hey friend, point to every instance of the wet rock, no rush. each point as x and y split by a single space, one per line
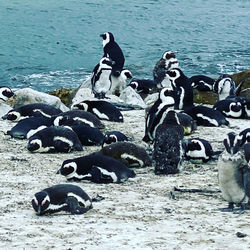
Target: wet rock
238 77
205 97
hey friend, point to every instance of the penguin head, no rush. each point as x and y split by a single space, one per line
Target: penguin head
235 106
58 120
126 74
172 75
106 62
34 144
170 60
5 93
68 168
110 138
231 143
167 96
82 105
194 144
171 118
41 202
133 85
107 38
12 115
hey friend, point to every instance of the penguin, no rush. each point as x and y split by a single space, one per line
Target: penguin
175 79
246 169
5 93
229 108
96 168
114 136
232 175
202 83
205 116
143 86
61 197
113 51
87 135
34 109
120 82
167 61
157 113
128 153
243 137
188 123
54 139
200 149
27 127
224 86
102 109
101 78
167 152
246 109
73 117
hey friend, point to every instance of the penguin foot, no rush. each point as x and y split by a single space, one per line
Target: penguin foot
230 208
240 210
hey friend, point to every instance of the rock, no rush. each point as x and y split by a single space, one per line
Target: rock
65 95
245 93
4 109
129 96
238 77
28 95
205 97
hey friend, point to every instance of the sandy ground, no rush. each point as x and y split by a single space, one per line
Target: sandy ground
138 214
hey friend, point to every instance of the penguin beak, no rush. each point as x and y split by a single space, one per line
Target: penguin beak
39 210
102 35
58 172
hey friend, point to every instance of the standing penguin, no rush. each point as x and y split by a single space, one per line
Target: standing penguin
61 197
167 62
113 51
233 179
101 78
167 152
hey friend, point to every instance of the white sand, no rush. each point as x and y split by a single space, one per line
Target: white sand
138 214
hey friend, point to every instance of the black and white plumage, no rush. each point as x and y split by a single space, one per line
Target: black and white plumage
230 108
73 117
61 197
202 82
128 153
54 139
102 109
34 109
158 112
97 168
176 79
167 61
101 78
87 135
119 83
200 149
243 137
114 136
113 51
142 86
168 150
224 86
29 126
187 122
5 93
233 172
206 116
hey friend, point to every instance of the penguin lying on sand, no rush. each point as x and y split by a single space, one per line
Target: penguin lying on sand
199 149
229 108
34 109
54 139
102 109
202 83
114 136
61 197
97 168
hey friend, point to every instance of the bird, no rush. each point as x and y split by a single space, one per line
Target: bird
101 78
113 51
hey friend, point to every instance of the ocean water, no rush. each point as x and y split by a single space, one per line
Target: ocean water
51 44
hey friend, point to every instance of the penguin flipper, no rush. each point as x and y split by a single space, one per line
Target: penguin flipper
74 207
239 86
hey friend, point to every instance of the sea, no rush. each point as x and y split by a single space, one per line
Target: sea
51 44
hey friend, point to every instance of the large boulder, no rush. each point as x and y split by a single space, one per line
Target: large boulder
28 95
64 94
